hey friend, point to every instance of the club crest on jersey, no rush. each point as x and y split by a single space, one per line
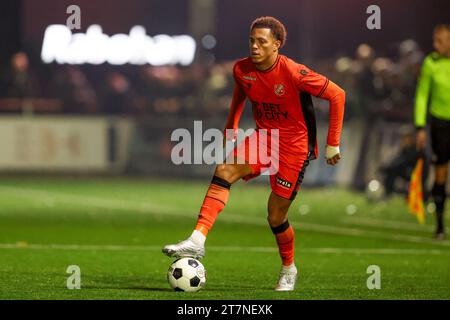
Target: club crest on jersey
279 89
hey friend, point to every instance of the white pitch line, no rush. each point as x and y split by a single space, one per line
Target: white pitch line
388 224
87 247
52 197
158 210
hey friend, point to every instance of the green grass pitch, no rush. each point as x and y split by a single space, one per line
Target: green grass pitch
114 229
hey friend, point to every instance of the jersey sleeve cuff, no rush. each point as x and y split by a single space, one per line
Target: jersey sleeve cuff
331 151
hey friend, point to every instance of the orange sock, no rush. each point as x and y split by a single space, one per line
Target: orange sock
215 200
284 235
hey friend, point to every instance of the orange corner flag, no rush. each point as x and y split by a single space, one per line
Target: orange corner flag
415 194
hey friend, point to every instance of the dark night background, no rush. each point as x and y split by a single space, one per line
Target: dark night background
320 28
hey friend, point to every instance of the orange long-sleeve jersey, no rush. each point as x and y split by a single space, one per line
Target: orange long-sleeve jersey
281 99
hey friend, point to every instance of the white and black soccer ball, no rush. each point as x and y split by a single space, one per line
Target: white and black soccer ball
186 274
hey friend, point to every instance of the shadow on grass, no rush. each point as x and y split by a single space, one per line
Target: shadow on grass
139 287
135 283
129 287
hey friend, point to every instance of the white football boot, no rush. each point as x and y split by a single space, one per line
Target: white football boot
192 247
288 278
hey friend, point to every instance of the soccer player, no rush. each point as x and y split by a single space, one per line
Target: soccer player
434 89
280 93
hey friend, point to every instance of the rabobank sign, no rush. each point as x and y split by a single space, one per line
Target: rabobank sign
62 46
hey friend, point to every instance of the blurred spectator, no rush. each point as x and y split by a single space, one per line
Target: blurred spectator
118 97
402 165
366 86
217 89
376 86
71 85
162 87
19 81
345 75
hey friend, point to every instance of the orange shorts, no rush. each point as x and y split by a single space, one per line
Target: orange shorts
285 179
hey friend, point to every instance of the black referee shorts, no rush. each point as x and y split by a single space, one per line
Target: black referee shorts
440 140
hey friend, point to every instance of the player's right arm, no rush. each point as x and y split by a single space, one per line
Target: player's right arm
236 108
421 103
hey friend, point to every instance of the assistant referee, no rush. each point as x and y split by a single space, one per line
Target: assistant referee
433 90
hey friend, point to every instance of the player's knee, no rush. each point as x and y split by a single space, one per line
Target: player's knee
276 219
226 172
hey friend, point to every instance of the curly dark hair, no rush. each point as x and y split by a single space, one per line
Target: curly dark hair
278 30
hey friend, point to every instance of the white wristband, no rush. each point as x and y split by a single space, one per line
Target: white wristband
331 151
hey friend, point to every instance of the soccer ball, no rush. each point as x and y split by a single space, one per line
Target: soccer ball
186 274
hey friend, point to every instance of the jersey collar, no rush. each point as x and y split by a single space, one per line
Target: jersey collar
272 67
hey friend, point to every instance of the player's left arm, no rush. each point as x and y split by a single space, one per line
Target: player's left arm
336 97
321 87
